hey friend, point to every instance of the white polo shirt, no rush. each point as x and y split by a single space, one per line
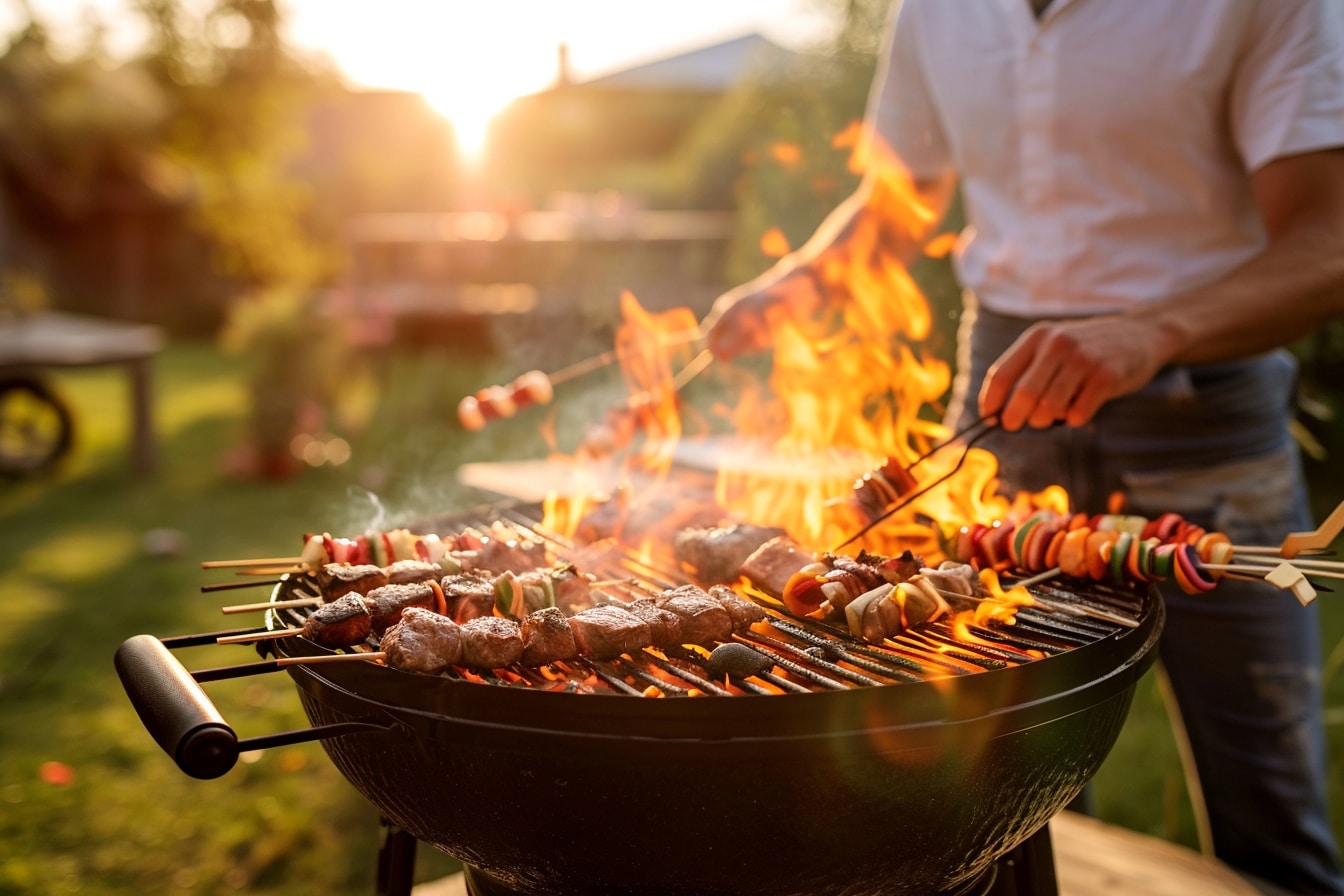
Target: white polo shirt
1103 150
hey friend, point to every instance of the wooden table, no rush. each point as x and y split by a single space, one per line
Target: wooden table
56 339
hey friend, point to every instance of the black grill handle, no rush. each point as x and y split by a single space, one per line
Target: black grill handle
174 709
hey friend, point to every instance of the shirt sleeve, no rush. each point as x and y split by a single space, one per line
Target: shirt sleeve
1288 95
901 111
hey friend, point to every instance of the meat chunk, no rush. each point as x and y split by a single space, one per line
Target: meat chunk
573 589
500 550
703 619
714 555
387 603
606 632
547 638
742 611
339 579
664 625
404 572
772 564
491 642
467 597
342 623
423 641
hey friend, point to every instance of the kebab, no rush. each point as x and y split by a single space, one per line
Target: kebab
424 640
1116 547
499 548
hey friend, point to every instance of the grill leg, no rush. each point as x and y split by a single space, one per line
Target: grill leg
1029 870
396 861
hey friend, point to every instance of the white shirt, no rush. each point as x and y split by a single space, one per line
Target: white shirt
1104 149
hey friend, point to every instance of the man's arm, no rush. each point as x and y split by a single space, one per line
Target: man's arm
1065 371
740 321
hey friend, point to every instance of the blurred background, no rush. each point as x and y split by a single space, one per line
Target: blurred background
252 253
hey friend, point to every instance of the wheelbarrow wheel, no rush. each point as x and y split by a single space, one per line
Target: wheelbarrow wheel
35 427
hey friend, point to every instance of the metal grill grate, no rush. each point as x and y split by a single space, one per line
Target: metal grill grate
790 654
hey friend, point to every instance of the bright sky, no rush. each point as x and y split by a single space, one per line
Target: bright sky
470 57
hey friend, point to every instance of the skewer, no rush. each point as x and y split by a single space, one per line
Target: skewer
538 387
365 657
274 605
1038 578
1261 570
1321 537
230 586
261 561
252 637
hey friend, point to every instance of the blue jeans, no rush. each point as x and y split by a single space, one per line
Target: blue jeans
1211 443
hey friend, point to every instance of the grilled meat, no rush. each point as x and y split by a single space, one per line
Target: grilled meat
467 596
770 566
605 632
423 641
338 579
664 625
404 572
703 619
547 638
491 642
742 611
499 550
714 555
387 603
341 623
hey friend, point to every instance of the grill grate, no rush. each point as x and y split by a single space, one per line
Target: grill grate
800 655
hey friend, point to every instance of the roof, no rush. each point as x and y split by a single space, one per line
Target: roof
713 68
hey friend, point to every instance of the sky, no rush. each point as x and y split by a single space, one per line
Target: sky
470 57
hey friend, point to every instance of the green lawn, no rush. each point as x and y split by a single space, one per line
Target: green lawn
76 580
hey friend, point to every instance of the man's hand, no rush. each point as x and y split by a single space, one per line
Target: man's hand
743 319
1064 371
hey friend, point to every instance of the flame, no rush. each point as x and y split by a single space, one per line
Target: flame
774 244
850 388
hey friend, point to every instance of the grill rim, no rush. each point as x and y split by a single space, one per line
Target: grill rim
1016 696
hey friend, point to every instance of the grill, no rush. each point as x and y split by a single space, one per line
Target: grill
917 767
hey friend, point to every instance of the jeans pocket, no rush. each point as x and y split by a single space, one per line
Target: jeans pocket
1252 500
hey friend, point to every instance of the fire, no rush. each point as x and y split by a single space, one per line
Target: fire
850 388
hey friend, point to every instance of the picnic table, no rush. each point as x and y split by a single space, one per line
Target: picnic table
53 339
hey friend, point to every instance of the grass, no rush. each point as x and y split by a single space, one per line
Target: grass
91 805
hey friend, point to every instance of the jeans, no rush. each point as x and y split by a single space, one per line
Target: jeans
1211 443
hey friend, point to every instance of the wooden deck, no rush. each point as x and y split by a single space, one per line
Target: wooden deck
1092 858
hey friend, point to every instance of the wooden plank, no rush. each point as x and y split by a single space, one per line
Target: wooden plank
1094 858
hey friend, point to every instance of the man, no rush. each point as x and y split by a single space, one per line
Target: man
1154 195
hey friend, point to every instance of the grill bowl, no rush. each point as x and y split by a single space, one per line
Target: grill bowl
892 789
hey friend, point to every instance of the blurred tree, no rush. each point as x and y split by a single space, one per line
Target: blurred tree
120 180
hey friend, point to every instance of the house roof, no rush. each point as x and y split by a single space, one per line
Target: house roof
713 68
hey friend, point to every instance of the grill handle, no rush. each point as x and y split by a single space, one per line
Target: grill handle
182 718
174 709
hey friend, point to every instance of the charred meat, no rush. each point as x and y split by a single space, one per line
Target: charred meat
491 642
338 579
714 555
342 622
547 638
423 641
605 632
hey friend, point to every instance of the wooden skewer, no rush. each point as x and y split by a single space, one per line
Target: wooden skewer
1323 535
260 561
269 570
259 636
1038 578
365 657
274 605
232 586
1253 569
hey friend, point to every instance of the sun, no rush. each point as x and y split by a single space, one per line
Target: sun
468 62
